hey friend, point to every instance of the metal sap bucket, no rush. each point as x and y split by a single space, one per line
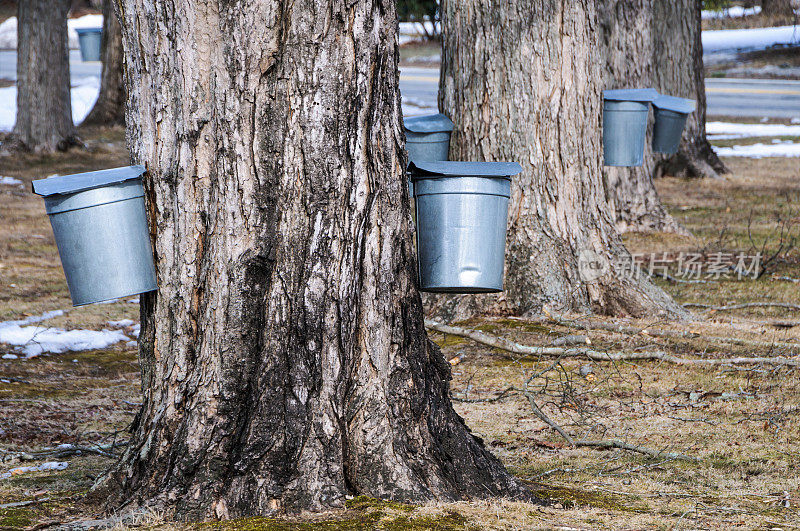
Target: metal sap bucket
100 228
462 211
90 40
625 114
671 114
428 137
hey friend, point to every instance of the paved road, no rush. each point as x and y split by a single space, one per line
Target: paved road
753 98
77 68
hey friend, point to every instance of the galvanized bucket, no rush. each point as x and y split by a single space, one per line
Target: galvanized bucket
90 40
461 212
625 114
100 228
428 137
671 114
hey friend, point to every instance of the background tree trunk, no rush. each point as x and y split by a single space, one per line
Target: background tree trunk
678 71
777 8
521 80
109 109
44 111
628 50
284 358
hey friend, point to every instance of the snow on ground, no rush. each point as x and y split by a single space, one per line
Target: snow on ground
760 151
10 181
121 324
34 340
8 30
727 131
50 465
731 12
749 39
83 98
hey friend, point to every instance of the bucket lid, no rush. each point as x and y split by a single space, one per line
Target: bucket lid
672 103
88 30
79 182
648 94
420 169
433 123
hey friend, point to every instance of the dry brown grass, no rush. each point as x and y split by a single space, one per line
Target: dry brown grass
741 423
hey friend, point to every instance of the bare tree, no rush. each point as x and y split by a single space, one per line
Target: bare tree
522 82
777 8
285 364
109 109
678 70
44 112
628 52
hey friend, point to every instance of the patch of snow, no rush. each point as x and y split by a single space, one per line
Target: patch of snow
8 33
135 330
775 71
727 130
131 344
10 181
121 323
731 12
34 340
83 98
760 151
134 301
10 356
749 39
796 120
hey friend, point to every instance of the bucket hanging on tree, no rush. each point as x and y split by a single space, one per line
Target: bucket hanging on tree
671 114
461 212
625 114
100 228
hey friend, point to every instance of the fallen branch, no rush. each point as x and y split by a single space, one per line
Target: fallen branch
65 450
525 350
711 307
593 324
600 444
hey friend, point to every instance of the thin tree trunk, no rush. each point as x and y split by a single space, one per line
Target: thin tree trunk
109 109
44 112
521 80
679 71
777 8
628 52
284 359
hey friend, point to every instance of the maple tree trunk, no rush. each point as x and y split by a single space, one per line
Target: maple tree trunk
284 358
521 80
109 109
44 112
678 71
628 53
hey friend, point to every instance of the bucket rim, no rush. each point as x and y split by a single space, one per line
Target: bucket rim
81 182
429 123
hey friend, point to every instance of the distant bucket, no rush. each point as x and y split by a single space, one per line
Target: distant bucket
100 228
428 137
462 212
625 114
671 114
90 40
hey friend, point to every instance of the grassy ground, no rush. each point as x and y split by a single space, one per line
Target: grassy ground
739 424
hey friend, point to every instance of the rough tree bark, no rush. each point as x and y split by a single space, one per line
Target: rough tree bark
284 358
678 70
44 110
628 52
521 80
109 109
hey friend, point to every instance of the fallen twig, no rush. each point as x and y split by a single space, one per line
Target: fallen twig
600 444
65 450
710 307
525 350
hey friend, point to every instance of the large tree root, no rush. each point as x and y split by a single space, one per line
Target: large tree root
525 350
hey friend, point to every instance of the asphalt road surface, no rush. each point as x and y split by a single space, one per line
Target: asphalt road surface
746 98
